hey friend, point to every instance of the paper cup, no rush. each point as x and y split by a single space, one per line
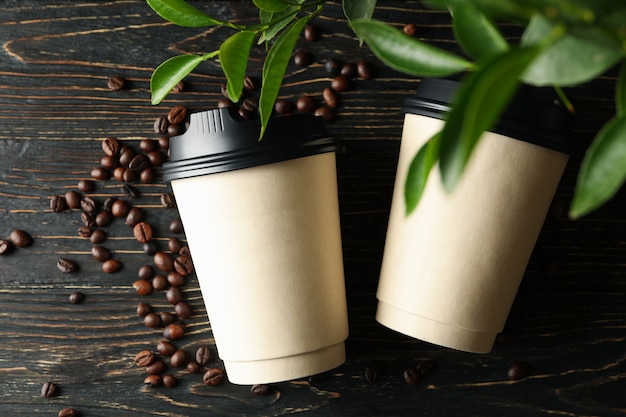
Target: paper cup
262 223
451 269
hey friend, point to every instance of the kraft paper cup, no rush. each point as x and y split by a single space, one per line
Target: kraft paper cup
451 269
262 223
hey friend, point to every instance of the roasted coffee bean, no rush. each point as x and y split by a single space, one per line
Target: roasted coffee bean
139 163
86 186
179 87
98 236
100 253
88 219
129 175
111 146
167 318
330 97
108 203
108 162
143 287
223 103
193 367
175 279
68 412
411 376
156 158
134 216
159 283
203 355
103 218
302 58
66 265
245 114
148 145
167 200
283 106
325 113
49 389
371 373
164 143
183 265
518 370
183 310
144 358
214 376
146 176
115 83
84 231
150 248
88 204
311 34
169 380
174 331
224 90
176 226
152 320
99 173
57 204
118 173
305 104
143 309
72 199
174 245
348 70
174 295
145 272
410 29
165 348
340 83
250 104
363 69
332 66
250 83
177 114
178 359
77 297
120 208
112 266
260 389
164 261
142 232
184 251
157 367
161 124
5 247
153 381
424 368
20 238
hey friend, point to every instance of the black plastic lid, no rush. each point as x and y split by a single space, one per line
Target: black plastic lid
219 140
528 118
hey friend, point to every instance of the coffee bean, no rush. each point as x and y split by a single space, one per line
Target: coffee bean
84 231
302 58
21 238
100 253
139 163
111 146
250 83
348 70
156 158
144 358
88 204
118 173
245 114
66 265
214 376
178 359
68 412
169 380
174 245
174 330
108 162
115 83
325 113
260 389
176 226
145 272
86 186
177 114
159 283
98 236
518 370
157 367
112 266
77 297
305 104
411 376
164 261
283 106
183 310
99 173
120 208
146 176
108 203
150 248
371 373
103 218
129 175
142 232
49 389
143 287
72 199
203 355
152 381
424 368
5 247
165 348
311 33
88 219
134 216
193 367
58 204
250 104
340 83
143 309
148 145
184 251
183 265
168 200
167 318
161 124
332 66
363 69
152 320
179 87
164 143
330 97
175 279
223 103
127 155
174 295
410 29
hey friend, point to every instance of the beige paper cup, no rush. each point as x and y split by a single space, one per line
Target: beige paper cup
266 245
452 268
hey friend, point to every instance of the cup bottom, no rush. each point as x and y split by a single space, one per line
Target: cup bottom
433 331
285 368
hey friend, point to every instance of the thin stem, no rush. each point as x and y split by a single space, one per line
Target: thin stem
564 99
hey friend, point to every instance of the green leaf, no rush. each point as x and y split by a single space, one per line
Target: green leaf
476 33
276 22
169 73
418 172
620 91
182 13
271 5
233 54
406 54
274 69
480 101
358 9
603 170
581 54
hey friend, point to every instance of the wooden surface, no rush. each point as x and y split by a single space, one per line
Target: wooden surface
568 321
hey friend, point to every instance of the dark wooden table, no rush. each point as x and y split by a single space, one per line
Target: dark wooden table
568 321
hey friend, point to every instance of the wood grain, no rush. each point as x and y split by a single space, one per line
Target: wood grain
568 321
